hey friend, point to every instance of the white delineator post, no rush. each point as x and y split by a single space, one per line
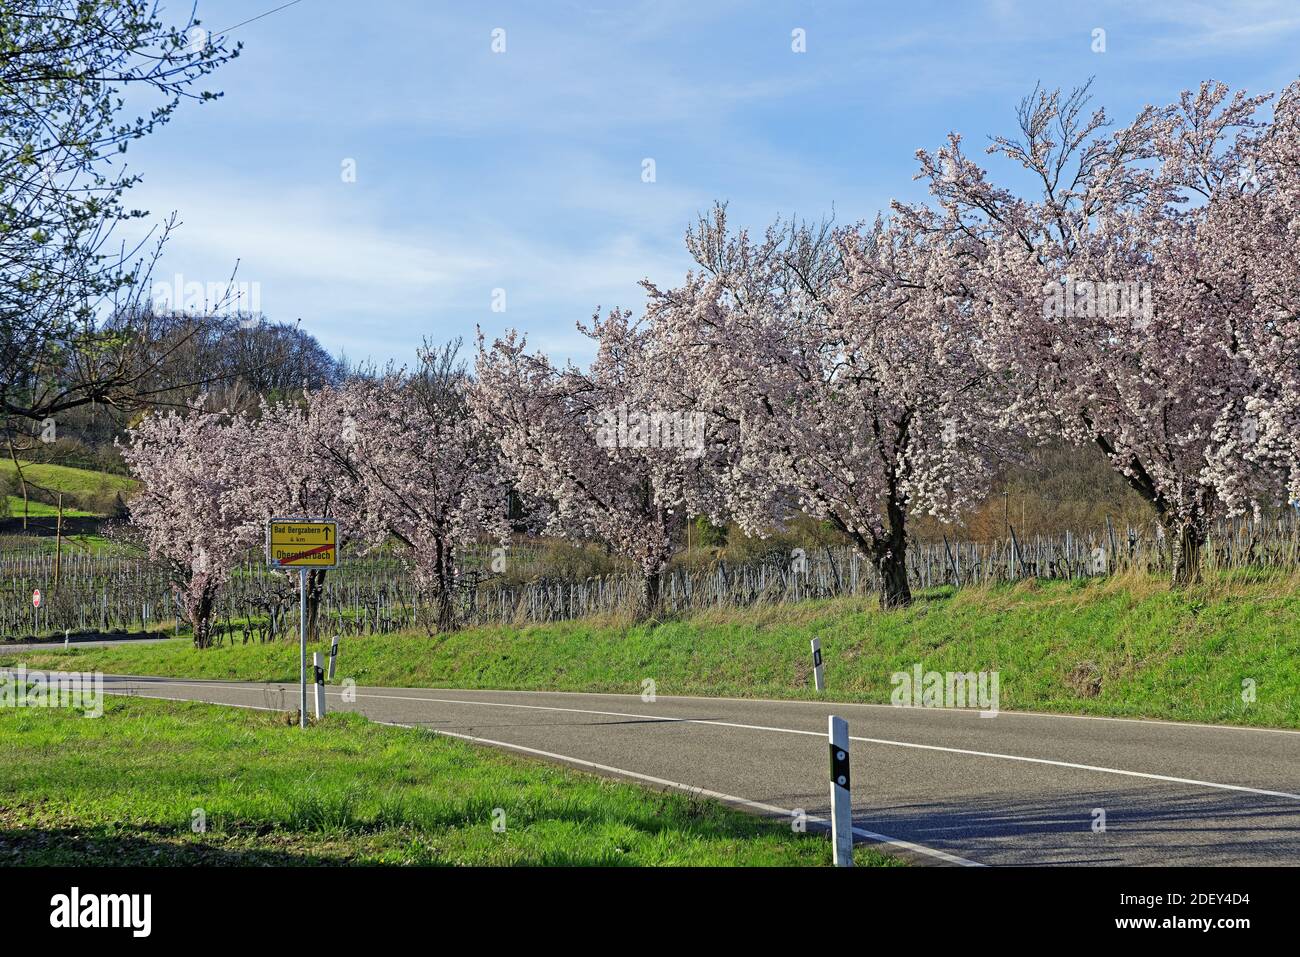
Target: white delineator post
334 653
841 805
317 665
302 648
817 664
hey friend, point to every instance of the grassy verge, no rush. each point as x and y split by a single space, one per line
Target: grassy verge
126 789
37 509
1124 646
68 480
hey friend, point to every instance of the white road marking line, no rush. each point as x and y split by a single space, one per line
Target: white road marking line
871 704
1087 767
716 795
691 789
885 741
1148 775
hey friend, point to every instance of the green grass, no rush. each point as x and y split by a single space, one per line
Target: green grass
1158 653
64 478
122 789
78 486
37 509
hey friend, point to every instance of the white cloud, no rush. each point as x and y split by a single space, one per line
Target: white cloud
374 290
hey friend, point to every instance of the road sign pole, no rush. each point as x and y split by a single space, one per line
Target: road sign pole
302 543
817 664
302 648
318 672
841 804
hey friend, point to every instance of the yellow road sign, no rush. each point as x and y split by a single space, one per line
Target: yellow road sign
301 543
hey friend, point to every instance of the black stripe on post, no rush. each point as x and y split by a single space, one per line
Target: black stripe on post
840 767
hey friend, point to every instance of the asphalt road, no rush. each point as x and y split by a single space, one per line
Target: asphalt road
18 646
944 786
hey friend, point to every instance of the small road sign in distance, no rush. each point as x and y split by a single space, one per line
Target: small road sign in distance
301 543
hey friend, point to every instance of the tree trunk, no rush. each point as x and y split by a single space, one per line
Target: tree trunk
444 610
894 590
315 588
200 612
891 559
1185 538
442 592
648 605
1186 542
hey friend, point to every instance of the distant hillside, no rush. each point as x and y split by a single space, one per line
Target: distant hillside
85 493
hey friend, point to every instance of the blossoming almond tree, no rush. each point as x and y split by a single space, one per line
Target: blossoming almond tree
191 510
592 443
425 471
1092 293
837 377
1248 264
289 472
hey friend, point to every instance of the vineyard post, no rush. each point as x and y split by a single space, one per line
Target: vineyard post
58 544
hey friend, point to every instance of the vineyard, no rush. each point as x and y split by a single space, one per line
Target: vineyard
115 593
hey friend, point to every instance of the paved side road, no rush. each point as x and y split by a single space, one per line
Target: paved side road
942 786
16 647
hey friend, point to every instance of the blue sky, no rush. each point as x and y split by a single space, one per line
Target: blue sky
522 170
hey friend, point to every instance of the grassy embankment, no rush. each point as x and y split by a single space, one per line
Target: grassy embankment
88 498
124 789
86 493
1123 646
